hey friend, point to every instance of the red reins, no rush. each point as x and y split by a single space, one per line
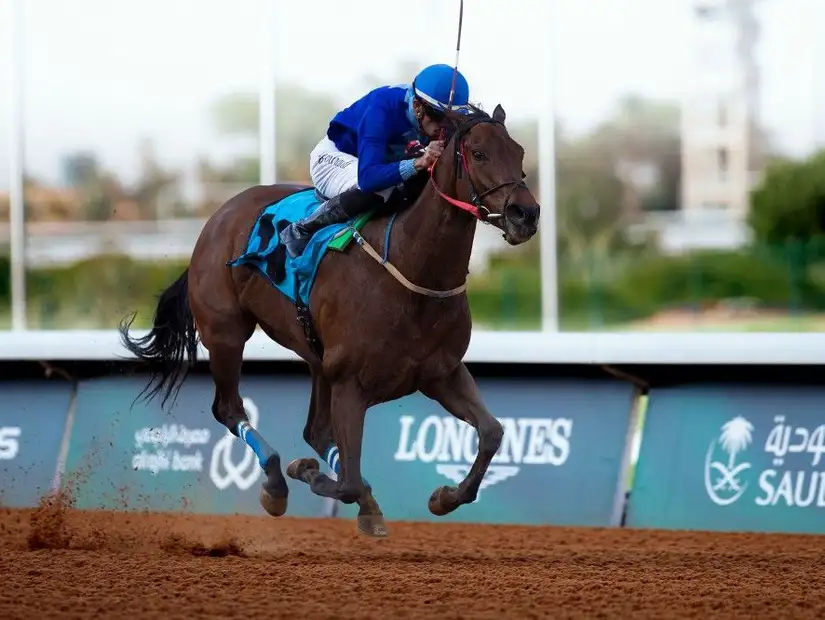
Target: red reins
473 210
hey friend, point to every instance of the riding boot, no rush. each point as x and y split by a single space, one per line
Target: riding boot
336 210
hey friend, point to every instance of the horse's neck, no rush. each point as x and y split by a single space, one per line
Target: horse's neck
436 240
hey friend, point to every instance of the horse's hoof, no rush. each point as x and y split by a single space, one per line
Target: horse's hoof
299 466
443 501
372 525
275 506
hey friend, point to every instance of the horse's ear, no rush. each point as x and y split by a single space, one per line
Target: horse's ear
499 115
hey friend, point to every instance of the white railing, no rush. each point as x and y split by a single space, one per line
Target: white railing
488 347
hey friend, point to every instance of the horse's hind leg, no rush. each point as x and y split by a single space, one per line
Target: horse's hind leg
225 342
318 434
459 395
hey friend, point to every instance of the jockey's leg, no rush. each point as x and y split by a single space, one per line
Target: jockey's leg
335 175
343 207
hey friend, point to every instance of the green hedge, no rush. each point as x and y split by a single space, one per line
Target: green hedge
98 292
787 278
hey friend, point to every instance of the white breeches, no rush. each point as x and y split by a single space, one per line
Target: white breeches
333 172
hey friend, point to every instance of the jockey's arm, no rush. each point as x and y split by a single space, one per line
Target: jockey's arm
374 175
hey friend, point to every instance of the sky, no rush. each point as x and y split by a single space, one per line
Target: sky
100 75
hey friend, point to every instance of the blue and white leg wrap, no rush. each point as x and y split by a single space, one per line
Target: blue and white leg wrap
331 457
254 440
333 460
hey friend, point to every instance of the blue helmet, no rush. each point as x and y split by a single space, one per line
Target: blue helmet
433 84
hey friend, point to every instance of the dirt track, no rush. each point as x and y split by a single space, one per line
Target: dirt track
61 563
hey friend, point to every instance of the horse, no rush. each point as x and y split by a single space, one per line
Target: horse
367 338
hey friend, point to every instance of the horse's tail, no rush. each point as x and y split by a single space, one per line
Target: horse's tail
172 337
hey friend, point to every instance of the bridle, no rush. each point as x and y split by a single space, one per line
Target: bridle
476 206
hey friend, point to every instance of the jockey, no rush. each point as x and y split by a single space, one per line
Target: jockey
361 159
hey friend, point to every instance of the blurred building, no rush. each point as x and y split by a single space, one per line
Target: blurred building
721 147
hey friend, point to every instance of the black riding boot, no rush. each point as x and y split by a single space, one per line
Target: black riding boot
337 210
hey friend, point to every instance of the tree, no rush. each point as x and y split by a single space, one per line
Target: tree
156 193
642 137
788 206
594 183
589 215
787 217
629 162
80 168
98 190
789 203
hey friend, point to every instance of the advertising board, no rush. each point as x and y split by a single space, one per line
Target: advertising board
32 425
561 436
139 457
732 457
559 462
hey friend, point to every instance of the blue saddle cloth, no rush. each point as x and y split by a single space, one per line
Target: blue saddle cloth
264 240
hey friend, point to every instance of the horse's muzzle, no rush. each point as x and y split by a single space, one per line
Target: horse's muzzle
523 215
521 222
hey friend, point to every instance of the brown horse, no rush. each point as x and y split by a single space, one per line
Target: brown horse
381 338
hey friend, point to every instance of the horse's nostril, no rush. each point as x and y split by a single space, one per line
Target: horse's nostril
521 214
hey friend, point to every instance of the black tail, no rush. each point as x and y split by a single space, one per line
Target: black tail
172 337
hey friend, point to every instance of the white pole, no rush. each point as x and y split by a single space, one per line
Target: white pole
17 206
266 100
547 181
818 48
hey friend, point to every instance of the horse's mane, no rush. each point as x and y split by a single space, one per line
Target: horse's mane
474 113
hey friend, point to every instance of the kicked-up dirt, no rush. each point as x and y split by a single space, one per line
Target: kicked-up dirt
57 562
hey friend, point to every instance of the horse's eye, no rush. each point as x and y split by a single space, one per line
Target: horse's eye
478 156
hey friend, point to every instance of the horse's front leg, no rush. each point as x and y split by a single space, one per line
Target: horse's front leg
318 433
459 395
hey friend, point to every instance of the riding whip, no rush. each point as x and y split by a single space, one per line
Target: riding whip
457 52
455 68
